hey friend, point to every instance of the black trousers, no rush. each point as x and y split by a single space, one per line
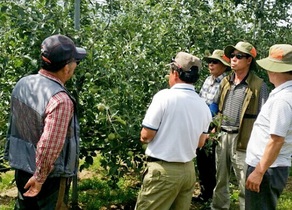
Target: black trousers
47 199
207 169
273 183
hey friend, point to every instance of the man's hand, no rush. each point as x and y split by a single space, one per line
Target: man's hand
202 140
271 153
254 181
33 186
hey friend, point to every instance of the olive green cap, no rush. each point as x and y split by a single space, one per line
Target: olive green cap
244 47
218 55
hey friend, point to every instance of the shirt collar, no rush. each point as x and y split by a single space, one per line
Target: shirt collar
242 81
219 78
50 76
281 87
183 86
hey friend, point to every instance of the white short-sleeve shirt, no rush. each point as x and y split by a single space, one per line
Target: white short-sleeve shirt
179 116
275 118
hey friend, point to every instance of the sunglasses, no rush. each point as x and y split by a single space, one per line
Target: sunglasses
73 60
214 61
238 56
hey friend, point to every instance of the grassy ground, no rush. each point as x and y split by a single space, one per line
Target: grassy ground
95 194
6 188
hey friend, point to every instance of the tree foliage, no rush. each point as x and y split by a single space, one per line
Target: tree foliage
129 44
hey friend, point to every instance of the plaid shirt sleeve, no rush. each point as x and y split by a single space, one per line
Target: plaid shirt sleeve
209 89
59 112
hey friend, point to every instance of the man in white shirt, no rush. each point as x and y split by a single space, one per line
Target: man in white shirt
270 145
173 128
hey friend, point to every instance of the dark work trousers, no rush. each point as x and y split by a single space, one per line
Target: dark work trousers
53 195
273 183
207 170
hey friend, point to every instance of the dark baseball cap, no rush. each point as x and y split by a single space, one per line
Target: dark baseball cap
58 50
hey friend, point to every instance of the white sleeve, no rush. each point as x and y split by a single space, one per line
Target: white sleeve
280 118
154 113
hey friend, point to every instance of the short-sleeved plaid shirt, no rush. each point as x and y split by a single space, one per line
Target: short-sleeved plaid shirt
211 87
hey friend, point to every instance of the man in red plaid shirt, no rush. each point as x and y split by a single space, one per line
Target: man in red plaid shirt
43 135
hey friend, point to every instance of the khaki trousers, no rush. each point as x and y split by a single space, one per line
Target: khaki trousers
227 157
167 186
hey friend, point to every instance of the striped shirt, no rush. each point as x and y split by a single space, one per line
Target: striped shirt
59 112
234 99
211 87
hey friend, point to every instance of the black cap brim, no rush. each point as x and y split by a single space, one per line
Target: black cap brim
80 53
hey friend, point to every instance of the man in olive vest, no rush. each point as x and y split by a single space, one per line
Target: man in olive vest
43 135
242 94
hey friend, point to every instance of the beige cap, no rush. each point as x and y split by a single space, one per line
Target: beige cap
185 61
279 59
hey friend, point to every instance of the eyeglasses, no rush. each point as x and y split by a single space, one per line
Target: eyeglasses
239 55
214 61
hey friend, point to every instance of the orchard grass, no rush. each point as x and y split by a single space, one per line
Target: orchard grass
6 180
285 201
95 193
6 183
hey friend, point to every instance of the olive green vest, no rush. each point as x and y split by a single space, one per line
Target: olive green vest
250 106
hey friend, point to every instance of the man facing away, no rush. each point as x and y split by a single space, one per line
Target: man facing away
241 96
173 128
43 134
218 65
269 148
